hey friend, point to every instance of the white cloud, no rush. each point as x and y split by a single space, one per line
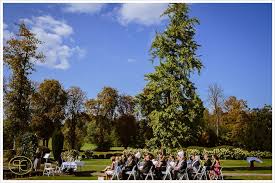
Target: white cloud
54 33
90 8
145 14
6 33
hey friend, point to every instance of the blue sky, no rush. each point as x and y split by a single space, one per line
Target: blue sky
97 45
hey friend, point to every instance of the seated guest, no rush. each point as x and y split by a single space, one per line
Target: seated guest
180 166
123 159
109 170
147 165
196 163
190 160
171 161
130 163
215 168
137 157
207 162
160 166
195 166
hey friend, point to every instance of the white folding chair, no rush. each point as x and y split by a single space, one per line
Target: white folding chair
219 177
203 174
131 173
48 169
197 172
184 175
116 173
150 173
167 173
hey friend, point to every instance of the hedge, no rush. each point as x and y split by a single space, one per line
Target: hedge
224 152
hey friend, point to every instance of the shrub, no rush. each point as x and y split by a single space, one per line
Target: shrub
108 156
88 153
57 143
71 154
95 156
101 156
9 154
225 152
28 145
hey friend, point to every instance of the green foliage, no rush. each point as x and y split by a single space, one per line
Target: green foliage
144 134
169 100
75 125
80 131
89 154
57 143
9 154
28 145
126 128
8 134
98 132
258 135
70 154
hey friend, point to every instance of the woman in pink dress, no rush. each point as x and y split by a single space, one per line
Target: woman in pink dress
215 170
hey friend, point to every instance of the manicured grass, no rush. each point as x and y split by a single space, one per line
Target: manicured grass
88 146
93 166
244 163
248 178
61 178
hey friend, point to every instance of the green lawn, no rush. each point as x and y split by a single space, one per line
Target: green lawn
230 166
249 178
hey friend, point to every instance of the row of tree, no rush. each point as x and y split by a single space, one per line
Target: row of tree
167 113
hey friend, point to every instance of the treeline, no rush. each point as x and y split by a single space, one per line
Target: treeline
168 113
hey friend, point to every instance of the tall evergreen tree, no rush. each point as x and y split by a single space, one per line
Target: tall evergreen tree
20 53
169 99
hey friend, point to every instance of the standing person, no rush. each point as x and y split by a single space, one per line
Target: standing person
180 166
37 160
215 169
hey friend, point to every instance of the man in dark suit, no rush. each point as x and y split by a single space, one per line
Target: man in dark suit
147 165
207 162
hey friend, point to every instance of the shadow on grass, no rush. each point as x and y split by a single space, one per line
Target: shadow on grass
84 173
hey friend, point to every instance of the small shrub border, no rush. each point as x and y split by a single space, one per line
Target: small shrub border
223 153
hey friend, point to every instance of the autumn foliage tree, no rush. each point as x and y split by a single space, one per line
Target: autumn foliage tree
20 54
48 107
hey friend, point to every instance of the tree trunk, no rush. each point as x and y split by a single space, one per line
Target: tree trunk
217 125
47 142
14 145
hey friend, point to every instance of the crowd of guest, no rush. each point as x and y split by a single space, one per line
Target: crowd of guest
163 164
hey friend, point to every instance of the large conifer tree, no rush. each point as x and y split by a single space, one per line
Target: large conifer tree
169 99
